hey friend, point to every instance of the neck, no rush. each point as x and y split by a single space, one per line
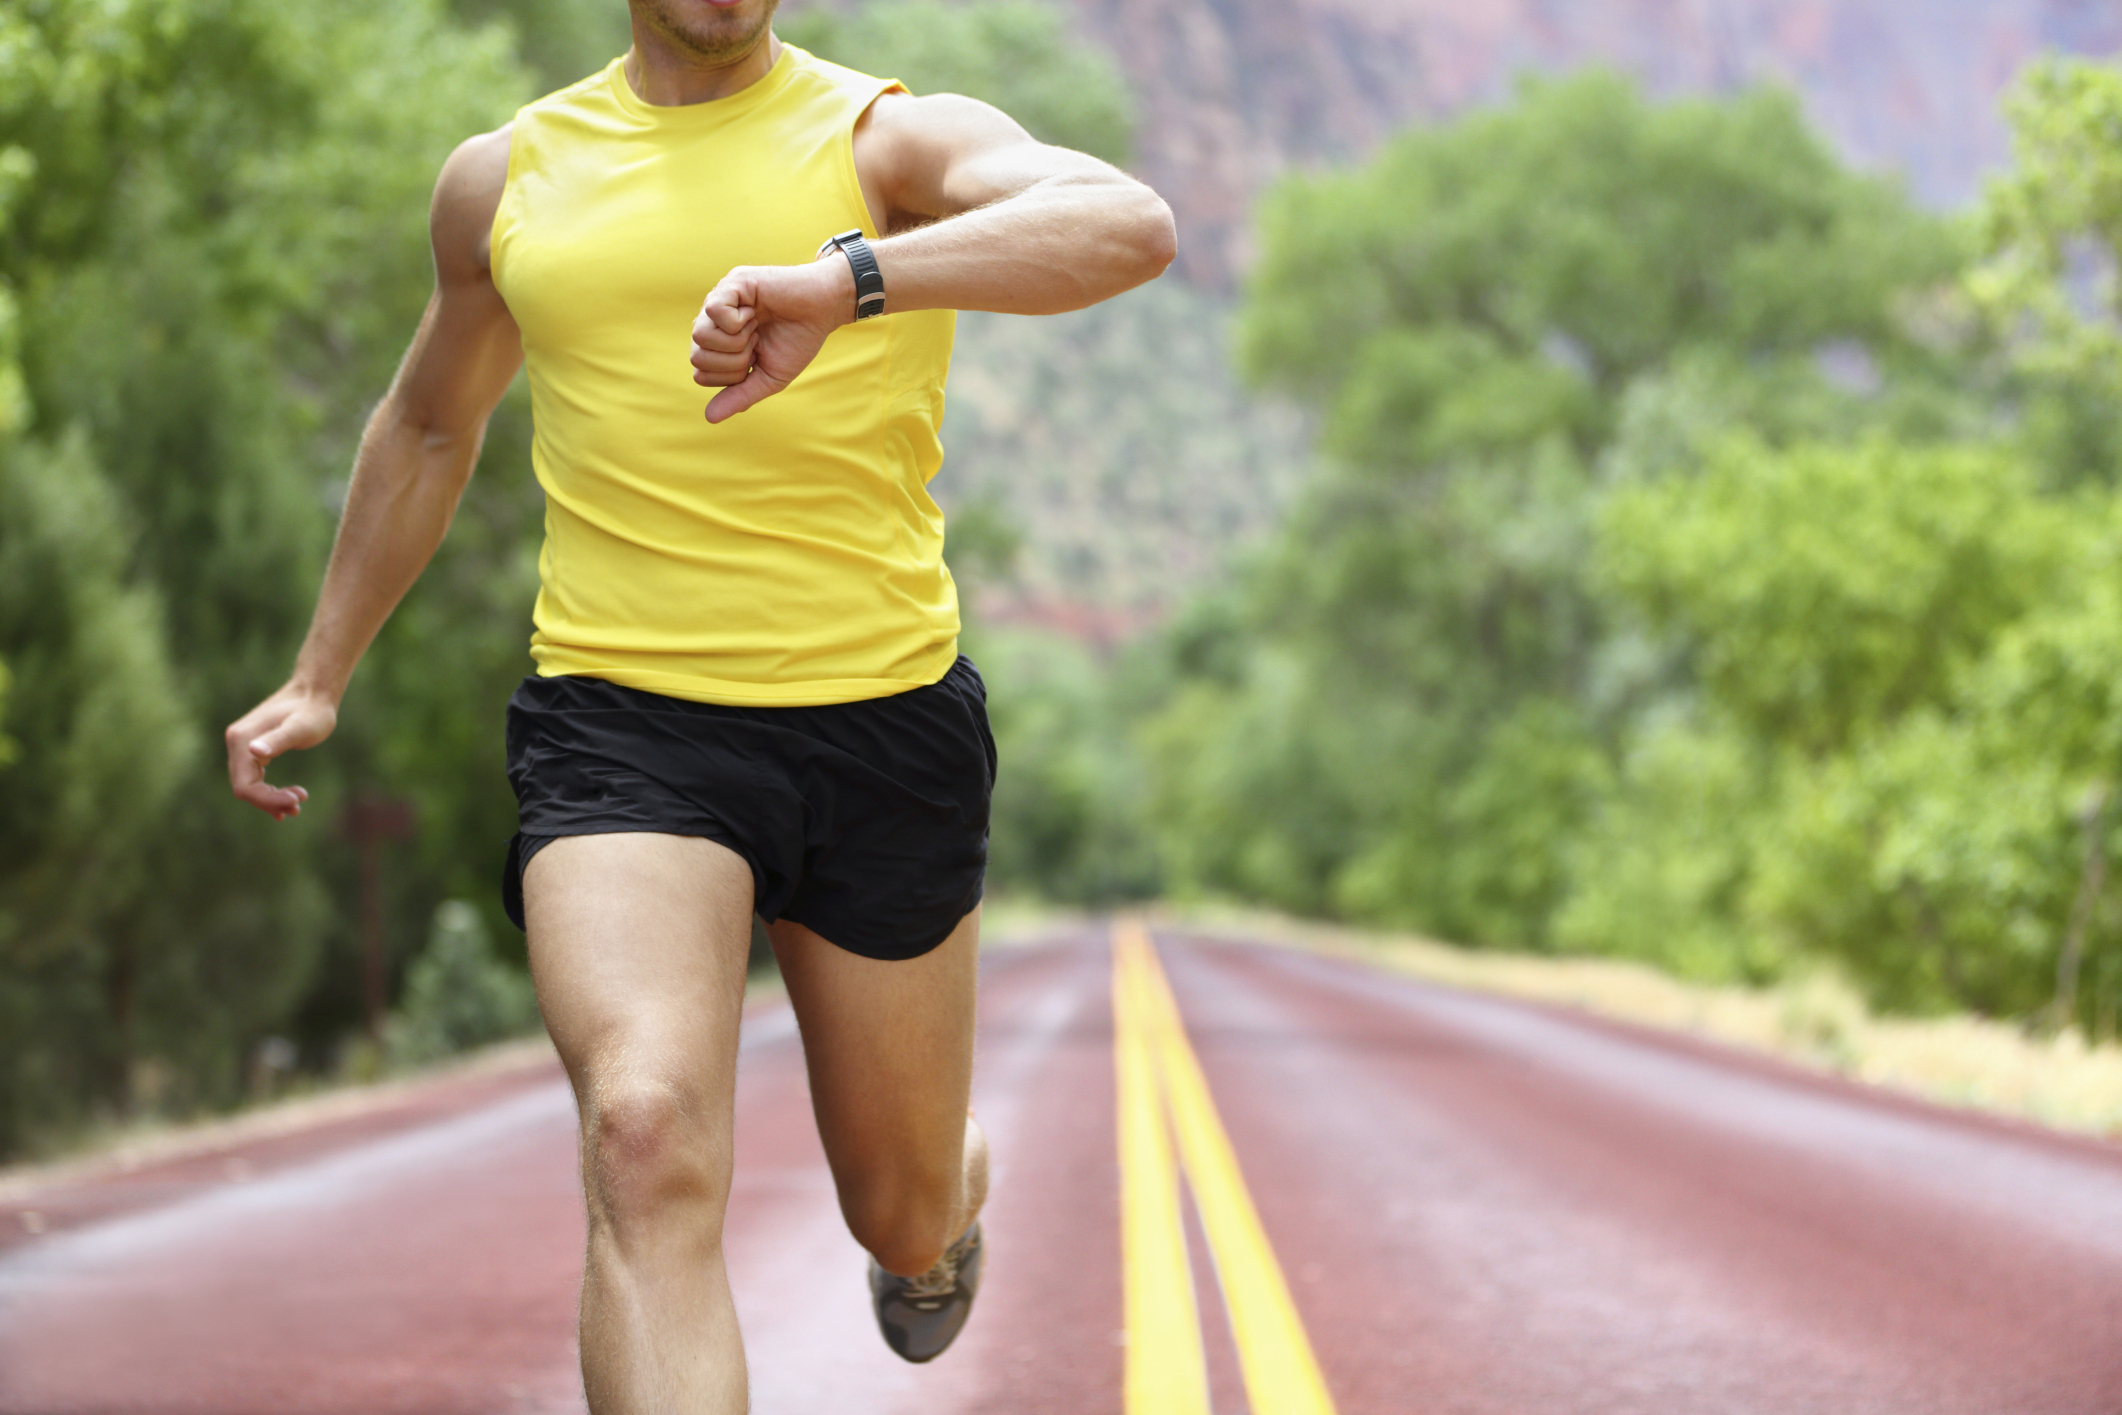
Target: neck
668 77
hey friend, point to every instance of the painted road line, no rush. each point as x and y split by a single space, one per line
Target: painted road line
1167 1371
1282 1375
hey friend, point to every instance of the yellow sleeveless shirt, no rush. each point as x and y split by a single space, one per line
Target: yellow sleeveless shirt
791 555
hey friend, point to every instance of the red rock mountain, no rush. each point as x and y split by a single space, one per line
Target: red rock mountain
1234 91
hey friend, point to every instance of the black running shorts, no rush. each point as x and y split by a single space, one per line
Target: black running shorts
865 822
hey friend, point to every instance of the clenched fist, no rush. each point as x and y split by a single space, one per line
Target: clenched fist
762 325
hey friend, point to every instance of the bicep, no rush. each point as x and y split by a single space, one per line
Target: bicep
943 154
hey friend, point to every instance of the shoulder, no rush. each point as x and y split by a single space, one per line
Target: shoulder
478 168
822 76
907 146
939 117
900 128
467 195
469 191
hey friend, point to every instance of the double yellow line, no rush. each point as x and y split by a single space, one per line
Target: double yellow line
1163 1094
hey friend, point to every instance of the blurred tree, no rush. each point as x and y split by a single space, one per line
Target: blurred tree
1015 54
2047 282
1660 866
458 995
2052 225
1496 320
1836 603
1824 591
558 40
1067 816
1558 249
101 708
215 247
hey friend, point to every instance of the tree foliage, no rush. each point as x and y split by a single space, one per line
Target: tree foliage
2052 227
458 994
1496 321
1716 564
214 246
1478 285
1015 54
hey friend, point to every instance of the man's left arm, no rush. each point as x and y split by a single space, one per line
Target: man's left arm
980 216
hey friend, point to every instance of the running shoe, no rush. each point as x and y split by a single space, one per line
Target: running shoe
921 1316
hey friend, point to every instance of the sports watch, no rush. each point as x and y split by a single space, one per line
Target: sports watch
869 280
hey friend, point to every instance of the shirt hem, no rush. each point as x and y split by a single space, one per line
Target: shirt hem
816 692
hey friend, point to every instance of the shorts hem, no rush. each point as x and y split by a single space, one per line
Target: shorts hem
884 952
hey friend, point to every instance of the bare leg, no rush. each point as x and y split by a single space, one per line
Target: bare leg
637 944
890 1051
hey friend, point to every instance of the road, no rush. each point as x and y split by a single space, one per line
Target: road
1474 1206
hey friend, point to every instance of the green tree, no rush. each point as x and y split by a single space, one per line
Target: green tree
1560 248
103 712
2052 226
1495 321
458 993
1824 591
1067 815
1835 603
2051 232
558 40
215 246
1015 54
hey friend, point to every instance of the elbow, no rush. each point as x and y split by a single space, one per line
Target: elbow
1156 237
428 430
411 446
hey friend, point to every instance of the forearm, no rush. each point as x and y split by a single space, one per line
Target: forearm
406 484
1061 244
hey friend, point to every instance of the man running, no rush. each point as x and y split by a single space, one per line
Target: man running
749 696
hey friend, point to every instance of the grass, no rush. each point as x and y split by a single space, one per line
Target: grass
1816 1020
362 1084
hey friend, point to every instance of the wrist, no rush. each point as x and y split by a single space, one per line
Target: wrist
836 282
318 687
865 273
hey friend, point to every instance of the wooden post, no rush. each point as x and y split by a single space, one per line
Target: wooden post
372 820
2092 822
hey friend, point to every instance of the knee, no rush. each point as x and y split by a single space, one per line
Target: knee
648 1155
903 1218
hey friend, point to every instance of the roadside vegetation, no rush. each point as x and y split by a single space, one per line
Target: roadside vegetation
1814 1018
1713 563
1669 544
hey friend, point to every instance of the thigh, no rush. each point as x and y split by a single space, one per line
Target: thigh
638 946
889 1045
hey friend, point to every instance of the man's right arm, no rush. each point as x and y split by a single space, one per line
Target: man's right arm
416 455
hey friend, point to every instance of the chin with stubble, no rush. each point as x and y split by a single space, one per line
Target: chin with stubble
705 31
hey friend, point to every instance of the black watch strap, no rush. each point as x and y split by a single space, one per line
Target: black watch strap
869 280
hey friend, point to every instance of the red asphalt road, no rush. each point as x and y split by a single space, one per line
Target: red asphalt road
1481 1206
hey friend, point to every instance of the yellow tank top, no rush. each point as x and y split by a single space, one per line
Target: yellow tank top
791 555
